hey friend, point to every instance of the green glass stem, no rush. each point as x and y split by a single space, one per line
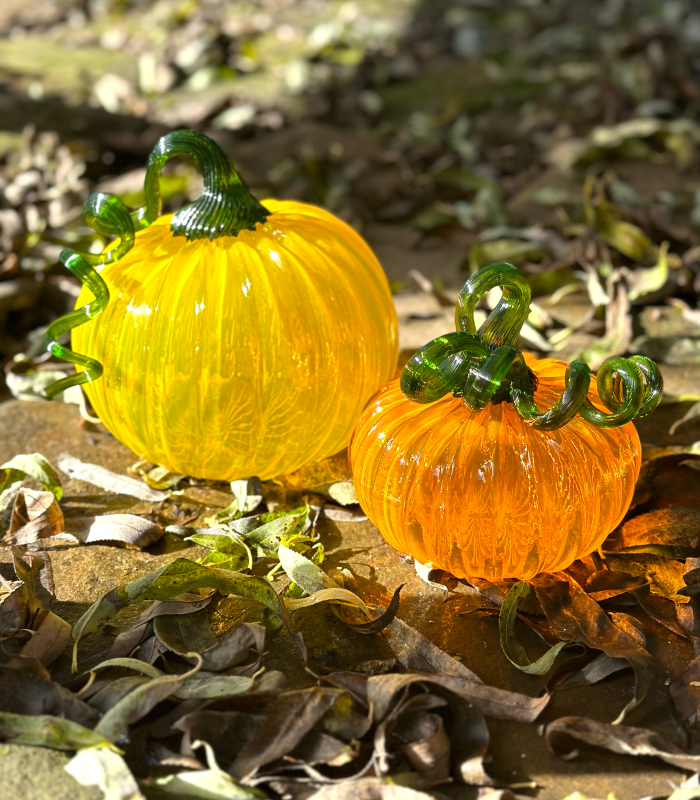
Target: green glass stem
109 216
224 208
226 205
487 367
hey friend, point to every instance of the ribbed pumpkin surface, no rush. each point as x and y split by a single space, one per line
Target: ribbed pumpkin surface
481 493
245 355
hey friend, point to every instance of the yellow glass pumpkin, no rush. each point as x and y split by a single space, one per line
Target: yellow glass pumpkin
249 350
503 479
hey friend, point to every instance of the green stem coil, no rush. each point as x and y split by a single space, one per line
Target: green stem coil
224 208
486 366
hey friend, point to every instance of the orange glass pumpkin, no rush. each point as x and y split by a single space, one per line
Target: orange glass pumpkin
488 482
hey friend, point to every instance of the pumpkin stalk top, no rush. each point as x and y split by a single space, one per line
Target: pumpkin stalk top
486 365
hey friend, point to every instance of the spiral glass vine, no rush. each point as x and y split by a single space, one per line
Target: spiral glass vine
486 366
224 208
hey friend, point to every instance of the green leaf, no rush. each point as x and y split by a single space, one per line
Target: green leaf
265 538
47 731
32 465
304 572
514 651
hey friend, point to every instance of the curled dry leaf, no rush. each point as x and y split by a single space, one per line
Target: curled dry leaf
490 701
35 515
607 583
190 633
573 615
685 693
50 638
34 570
108 480
616 738
14 608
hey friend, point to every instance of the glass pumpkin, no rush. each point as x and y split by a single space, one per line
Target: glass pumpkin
489 463
238 338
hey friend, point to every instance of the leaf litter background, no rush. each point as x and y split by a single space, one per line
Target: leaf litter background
163 636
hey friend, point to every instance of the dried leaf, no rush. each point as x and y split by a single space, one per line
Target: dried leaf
183 604
414 651
601 667
26 688
192 633
51 637
46 731
574 616
293 715
136 533
35 515
618 739
105 479
665 575
115 723
692 413
107 770
333 595
14 609
607 583
34 570
490 701
675 530
514 651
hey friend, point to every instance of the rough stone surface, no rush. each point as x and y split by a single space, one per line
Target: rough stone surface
28 772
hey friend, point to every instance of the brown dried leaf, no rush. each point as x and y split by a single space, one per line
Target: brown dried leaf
34 570
293 715
675 527
665 575
618 739
51 637
490 701
188 633
416 652
574 616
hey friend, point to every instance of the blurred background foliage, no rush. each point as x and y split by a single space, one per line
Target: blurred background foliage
558 136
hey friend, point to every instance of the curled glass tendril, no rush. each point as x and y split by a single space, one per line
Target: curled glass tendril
224 208
486 366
